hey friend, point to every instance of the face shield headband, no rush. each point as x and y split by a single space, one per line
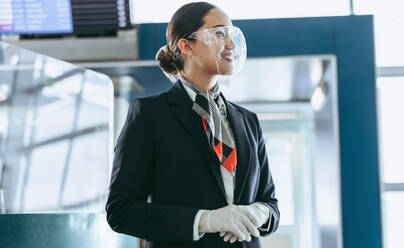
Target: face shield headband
227 46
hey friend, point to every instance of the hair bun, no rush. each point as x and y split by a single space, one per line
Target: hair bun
166 60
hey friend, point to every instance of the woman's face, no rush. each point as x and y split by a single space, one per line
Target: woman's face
214 58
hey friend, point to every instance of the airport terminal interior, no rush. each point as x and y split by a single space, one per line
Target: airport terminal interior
324 77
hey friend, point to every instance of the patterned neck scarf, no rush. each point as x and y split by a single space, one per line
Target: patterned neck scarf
218 135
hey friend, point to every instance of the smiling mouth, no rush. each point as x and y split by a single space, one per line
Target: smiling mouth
228 56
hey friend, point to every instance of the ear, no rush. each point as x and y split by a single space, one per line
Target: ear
185 46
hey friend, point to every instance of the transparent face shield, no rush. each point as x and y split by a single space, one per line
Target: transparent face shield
227 46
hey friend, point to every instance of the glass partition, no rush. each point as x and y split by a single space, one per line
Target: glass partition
56 126
295 99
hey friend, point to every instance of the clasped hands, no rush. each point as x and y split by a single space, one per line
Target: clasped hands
234 222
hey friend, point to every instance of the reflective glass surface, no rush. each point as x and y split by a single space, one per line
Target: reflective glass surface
295 99
55 134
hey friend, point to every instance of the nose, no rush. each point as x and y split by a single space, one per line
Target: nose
229 43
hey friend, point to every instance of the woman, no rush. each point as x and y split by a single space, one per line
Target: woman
190 167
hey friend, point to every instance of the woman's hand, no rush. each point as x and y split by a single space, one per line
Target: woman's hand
231 219
228 236
257 214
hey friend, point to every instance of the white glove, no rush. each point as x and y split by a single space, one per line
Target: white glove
228 219
257 213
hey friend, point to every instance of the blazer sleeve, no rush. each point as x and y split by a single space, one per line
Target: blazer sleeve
128 209
266 187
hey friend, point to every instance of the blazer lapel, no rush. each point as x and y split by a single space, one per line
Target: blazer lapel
181 106
243 147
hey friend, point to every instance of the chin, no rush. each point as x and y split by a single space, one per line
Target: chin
225 67
226 71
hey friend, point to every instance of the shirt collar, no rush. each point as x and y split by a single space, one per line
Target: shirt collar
191 92
192 95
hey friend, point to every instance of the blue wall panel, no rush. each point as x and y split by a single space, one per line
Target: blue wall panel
280 37
151 37
354 48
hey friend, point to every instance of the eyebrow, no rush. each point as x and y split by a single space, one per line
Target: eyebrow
219 25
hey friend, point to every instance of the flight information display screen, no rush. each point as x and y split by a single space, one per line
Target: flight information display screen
35 16
100 16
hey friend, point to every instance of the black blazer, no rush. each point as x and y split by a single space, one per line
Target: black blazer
164 172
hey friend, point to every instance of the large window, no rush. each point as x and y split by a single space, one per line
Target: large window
388 21
391 122
146 11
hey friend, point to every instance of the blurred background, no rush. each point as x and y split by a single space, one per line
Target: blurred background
69 70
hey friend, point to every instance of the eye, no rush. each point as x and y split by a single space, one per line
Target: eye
220 34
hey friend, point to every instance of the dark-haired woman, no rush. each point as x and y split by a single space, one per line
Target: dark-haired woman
190 167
